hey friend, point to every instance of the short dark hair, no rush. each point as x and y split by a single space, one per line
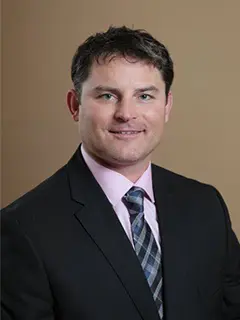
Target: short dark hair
125 42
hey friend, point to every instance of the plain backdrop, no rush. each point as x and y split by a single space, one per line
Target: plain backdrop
39 38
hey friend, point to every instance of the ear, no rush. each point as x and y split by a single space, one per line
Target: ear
168 106
73 104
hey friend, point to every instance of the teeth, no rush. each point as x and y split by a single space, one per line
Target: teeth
126 132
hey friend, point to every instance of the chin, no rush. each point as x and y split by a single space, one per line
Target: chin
125 159
122 156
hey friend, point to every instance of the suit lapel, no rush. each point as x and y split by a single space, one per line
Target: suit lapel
99 220
173 228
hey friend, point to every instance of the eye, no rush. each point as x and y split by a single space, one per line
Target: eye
146 97
106 96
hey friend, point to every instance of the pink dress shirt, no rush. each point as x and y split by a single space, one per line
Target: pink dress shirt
115 185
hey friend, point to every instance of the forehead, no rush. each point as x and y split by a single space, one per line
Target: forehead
124 70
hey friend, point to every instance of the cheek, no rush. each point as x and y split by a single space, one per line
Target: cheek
155 118
94 116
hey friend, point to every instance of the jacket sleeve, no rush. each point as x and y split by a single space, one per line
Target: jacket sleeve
25 288
231 285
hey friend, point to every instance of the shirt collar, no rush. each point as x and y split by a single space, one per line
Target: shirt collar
114 184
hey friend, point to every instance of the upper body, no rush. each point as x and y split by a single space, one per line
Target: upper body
66 255
68 252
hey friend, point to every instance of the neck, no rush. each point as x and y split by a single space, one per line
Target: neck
132 171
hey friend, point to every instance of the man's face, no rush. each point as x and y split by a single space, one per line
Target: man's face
122 112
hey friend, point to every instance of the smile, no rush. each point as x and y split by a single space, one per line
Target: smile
126 134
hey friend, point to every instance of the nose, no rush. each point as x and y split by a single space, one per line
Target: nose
125 110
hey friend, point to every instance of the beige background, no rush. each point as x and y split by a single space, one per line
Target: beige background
39 39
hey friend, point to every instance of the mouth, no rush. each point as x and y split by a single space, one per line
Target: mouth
126 134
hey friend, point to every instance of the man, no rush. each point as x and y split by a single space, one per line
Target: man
111 236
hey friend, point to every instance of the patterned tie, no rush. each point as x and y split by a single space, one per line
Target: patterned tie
145 244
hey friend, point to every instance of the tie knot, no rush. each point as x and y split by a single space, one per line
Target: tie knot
133 200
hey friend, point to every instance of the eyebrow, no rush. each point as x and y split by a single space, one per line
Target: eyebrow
150 88
106 88
117 91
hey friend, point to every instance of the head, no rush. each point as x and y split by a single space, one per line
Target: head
122 95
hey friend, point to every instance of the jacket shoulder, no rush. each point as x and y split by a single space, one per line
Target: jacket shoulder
177 179
53 189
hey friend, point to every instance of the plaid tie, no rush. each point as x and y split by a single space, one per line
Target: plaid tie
145 244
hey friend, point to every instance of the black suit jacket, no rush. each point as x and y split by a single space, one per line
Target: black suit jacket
66 256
